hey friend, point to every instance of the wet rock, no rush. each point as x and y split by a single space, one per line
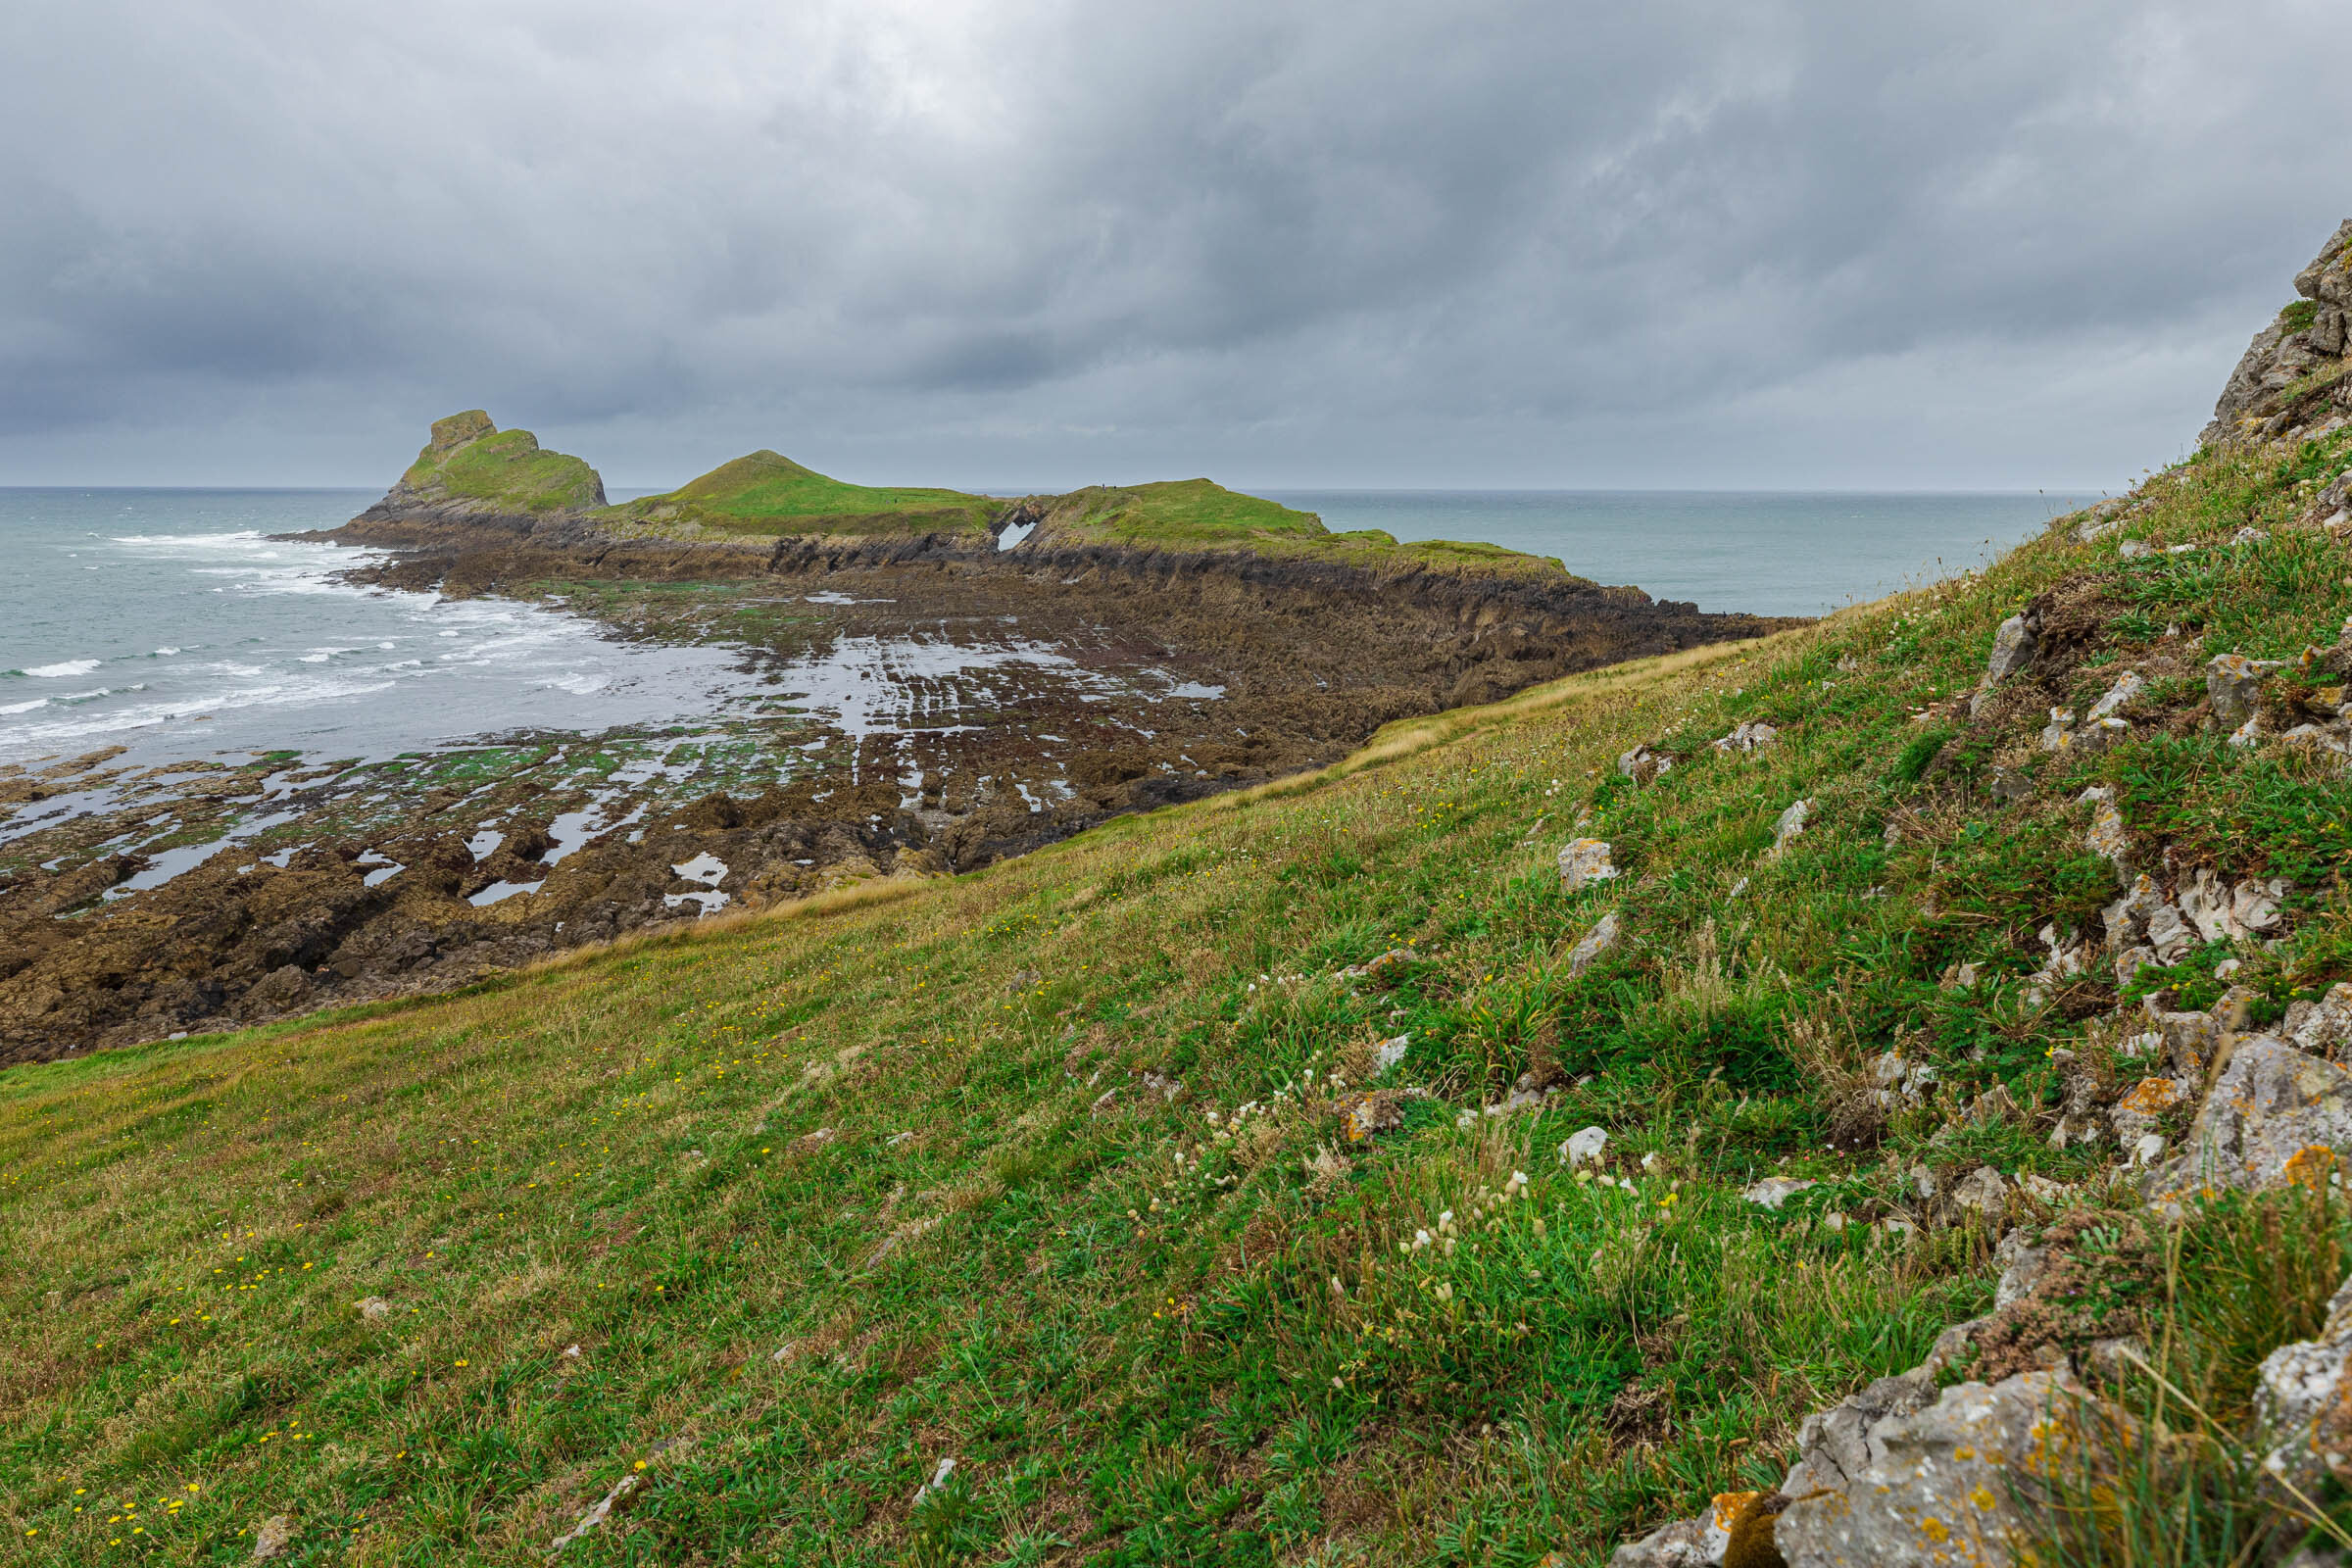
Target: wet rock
2235 682
1583 864
2275 1115
1937 1489
1598 941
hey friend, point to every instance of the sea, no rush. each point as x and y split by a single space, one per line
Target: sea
176 624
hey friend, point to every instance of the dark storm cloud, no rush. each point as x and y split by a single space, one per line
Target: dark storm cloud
1507 243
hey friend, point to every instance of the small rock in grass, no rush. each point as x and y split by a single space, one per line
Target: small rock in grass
1585 863
2013 647
940 1476
2235 682
1598 941
272 1537
1773 1190
2126 687
373 1308
1984 1189
1748 738
1642 765
1585 1146
1792 823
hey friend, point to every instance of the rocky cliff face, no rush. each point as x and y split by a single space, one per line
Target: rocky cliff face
2292 379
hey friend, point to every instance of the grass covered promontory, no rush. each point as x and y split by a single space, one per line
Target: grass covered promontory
1200 515
471 468
469 461
768 494
1122 1176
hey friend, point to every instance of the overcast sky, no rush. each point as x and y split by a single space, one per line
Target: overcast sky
1987 243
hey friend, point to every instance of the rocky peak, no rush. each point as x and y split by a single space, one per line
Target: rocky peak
460 429
2292 379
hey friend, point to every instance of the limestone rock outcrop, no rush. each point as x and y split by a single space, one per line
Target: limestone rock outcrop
2293 376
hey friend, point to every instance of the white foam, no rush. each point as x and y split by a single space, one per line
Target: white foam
64 667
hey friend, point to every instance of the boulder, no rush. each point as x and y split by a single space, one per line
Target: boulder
1983 1190
1938 1488
2222 912
2233 682
2325 1027
2014 646
2275 1115
1585 863
1684 1543
1598 941
1834 1446
2303 1403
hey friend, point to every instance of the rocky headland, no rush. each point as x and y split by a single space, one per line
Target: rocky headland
1135 648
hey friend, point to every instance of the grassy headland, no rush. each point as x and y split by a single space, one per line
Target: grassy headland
767 494
472 460
1065 1170
1199 514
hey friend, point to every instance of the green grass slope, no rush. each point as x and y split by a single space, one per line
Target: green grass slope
469 459
1188 515
767 494
1063 1170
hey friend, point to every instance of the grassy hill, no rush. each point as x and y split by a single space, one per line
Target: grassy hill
768 494
1109 1174
1201 515
471 460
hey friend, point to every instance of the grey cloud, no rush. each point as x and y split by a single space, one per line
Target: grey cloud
1691 242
